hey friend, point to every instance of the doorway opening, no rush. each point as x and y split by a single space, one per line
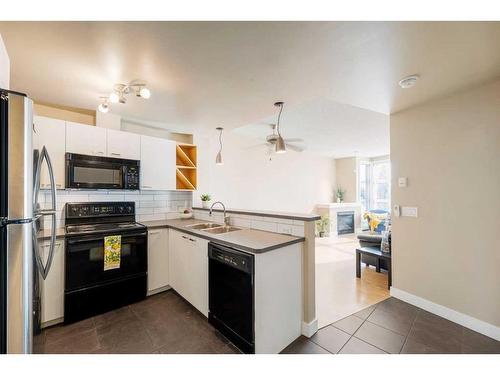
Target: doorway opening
358 222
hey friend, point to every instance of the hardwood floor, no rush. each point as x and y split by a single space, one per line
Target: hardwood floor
338 292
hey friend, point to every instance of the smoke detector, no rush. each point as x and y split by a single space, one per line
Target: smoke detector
409 81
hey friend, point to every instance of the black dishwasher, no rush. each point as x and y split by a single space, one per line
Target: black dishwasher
231 295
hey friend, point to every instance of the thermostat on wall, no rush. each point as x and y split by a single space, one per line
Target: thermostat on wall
402 182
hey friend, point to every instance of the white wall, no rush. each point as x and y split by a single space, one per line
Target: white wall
291 182
4 66
346 177
450 151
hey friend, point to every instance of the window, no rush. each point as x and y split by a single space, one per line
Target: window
364 185
375 184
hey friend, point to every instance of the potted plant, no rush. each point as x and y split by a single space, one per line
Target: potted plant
340 195
205 200
322 225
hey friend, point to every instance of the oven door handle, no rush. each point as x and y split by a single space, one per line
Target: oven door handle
98 238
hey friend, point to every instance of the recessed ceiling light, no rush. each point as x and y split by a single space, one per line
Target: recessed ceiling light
409 81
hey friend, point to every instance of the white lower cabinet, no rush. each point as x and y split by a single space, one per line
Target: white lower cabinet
188 268
52 288
158 260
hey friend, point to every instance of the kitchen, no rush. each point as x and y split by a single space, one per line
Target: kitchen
108 183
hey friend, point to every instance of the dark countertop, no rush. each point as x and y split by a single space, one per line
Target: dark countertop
279 215
248 240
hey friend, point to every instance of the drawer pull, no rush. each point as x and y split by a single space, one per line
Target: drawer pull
146 187
116 154
154 232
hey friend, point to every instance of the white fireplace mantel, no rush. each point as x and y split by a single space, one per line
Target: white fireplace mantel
339 205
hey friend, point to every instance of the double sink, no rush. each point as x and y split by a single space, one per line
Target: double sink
213 228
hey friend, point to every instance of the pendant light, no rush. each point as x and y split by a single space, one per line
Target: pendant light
280 142
218 158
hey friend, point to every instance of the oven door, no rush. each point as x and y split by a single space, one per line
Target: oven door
85 259
94 172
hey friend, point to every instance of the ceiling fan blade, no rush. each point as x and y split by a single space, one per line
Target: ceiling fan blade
294 148
294 140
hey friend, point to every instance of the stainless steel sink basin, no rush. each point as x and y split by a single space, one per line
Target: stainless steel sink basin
204 226
221 229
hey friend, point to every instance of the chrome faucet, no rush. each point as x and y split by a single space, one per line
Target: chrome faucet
226 218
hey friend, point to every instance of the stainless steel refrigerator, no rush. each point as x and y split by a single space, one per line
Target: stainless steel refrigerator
21 266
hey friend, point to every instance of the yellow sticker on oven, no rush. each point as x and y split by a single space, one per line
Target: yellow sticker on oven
112 252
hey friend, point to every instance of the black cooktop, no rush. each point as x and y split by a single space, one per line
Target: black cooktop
105 227
100 217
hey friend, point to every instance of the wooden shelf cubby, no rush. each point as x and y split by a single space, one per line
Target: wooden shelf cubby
186 167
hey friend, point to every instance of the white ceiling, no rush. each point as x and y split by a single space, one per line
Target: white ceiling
328 128
205 74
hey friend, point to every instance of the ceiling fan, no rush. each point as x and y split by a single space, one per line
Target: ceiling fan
271 140
276 142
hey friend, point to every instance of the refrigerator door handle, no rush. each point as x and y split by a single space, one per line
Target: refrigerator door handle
39 214
44 155
44 269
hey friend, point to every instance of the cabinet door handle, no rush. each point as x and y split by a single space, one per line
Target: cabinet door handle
146 187
116 154
98 152
154 232
185 237
192 240
58 185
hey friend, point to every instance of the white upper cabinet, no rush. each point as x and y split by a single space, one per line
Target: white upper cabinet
123 145
157 163
85 139
51 133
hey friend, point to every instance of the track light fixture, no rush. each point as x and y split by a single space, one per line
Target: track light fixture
104 106
120 91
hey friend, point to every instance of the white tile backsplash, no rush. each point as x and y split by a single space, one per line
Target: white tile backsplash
270 224
150 205
264 225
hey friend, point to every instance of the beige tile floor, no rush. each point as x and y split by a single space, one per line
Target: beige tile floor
338 292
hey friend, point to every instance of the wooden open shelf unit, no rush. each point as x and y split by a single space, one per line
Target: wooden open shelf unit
185 167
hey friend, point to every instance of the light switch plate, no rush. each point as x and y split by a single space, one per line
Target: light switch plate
402 182
409 211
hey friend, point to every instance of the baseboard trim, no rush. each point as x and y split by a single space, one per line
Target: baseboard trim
309 329
51 323
158 290
474 324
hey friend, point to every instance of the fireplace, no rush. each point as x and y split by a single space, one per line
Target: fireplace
345 222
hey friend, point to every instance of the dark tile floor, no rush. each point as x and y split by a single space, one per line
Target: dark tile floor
393 326
164 323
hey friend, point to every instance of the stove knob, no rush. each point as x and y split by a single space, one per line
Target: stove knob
129 208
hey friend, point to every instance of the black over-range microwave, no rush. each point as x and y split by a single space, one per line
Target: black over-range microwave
96 172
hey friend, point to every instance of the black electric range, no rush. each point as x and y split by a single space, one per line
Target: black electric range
91 288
